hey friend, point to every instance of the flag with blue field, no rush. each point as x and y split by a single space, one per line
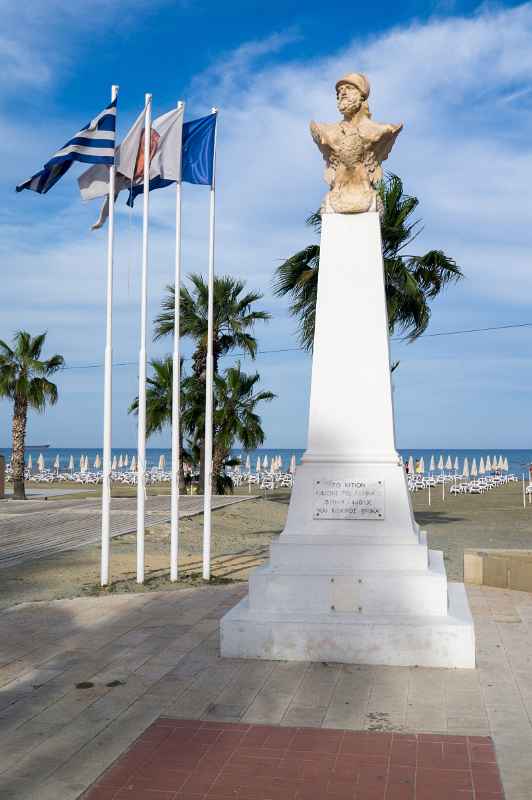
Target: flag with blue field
93 144
197 157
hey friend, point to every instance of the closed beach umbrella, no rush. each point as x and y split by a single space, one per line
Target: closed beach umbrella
81 463
481 467
248 463
505 467
113 465
488 464
432 466
494 463
474 470
465 471
97 462
265 462
120 461
126 460
456 464
292 464
162 462
257 466
56 462
411 465
422 465
133 464
440 462
449 463
71 463
501 463
86 464
30 463
40 462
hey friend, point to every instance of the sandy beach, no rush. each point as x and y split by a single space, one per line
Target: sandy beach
242 534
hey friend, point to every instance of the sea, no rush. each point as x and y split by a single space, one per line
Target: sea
518 460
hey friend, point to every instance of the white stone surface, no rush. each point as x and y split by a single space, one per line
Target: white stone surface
363 589
360 592
387 639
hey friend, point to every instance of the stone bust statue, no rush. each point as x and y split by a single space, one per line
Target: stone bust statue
353 149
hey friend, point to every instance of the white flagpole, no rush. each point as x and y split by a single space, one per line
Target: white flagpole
141 442
207 495
176 380
108 382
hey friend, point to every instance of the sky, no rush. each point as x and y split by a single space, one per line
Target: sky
457 74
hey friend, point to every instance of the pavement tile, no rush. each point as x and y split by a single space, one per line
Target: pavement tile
204 760
165 646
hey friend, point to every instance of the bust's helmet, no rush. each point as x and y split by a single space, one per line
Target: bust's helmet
356 79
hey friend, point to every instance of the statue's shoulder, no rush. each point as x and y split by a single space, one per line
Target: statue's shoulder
375 131
323 133
380 137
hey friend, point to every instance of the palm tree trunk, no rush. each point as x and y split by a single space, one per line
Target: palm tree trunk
181 463
200 368
201 487
20 411
218 458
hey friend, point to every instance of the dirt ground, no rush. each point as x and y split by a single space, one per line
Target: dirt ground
241 536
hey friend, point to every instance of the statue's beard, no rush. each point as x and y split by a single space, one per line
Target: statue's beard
349 107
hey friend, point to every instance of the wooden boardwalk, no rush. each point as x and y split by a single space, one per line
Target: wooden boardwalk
36 529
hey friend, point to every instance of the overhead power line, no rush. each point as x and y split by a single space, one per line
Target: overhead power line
295 349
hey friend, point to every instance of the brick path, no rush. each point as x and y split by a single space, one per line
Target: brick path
81 680
193 760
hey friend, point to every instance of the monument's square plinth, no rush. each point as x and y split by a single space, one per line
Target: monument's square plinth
351 578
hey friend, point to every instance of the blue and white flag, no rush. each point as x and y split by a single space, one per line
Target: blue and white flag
93 144
197 157
165 156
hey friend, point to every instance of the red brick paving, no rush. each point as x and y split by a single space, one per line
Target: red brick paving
193 760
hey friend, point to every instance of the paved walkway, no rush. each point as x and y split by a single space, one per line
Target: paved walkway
82 679
39 529
36 494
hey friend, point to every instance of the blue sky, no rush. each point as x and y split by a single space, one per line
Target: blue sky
457 74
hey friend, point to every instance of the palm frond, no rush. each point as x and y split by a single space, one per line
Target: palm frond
410 281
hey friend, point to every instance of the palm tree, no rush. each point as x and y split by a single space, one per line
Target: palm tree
24 380
234 319
411 281
235 417
159 404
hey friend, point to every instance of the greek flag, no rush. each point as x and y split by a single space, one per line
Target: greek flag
93 144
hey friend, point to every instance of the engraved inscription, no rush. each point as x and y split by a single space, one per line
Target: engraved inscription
348 499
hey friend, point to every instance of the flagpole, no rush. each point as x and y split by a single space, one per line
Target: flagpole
141 442
108 381
176 378
207 492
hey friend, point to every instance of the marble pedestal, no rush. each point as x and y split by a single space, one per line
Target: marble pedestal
351 578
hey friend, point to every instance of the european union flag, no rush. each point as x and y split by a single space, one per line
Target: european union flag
197 156
197 164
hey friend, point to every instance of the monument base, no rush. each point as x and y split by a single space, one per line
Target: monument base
351 578
392 640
